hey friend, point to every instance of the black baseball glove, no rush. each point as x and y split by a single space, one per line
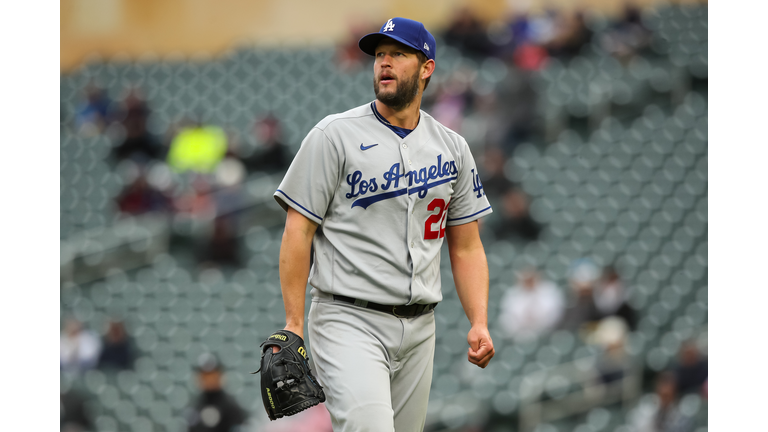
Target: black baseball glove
287 384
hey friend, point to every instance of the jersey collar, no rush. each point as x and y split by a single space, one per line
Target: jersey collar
401 132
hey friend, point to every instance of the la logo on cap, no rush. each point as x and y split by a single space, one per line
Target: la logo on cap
390 26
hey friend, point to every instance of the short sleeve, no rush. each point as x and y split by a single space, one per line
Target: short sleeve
311 180
468 202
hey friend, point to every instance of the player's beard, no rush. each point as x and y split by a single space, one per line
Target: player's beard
404 94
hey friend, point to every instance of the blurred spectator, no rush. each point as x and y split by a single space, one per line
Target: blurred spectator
73 417
573 34
466 33
141 197
543 27
517 106
611 335
581 307
485 124
660 413
138 143
452 99
627 36
532 307
222 249
197 148
611 298
349 57
495 182
691 370
527 54
271 156
228 179
118 350
80 347
214 410
198 201
93 115
520 26
529 57
516 220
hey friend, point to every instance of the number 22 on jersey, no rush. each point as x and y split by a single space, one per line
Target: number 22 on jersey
439 218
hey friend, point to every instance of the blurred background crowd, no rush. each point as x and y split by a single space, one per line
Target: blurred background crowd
591 133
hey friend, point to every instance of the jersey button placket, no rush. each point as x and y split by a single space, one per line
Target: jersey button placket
411 209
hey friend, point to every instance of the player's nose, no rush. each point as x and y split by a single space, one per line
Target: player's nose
385 60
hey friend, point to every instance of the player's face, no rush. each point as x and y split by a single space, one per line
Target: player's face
396 74
210 380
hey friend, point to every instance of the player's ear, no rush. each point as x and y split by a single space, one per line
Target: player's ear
427 69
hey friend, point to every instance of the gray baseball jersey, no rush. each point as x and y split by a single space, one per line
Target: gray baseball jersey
382 203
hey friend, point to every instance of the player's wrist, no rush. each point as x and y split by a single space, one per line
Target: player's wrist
295 327
481 326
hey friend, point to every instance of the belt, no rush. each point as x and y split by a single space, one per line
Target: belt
400 311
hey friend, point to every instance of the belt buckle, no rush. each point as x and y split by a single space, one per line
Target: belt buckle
394 312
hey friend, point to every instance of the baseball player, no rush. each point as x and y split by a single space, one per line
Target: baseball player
376 190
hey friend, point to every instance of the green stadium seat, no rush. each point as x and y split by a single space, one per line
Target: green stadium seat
695 267
127 382
232 353
690 405
598 419
446 384
162 382
548 355
144 397
146 338
149 312
661 224
670 344
95 381
657 360
109 398
505 402
697 312
160 412
140 424
106 423
145 368
658 314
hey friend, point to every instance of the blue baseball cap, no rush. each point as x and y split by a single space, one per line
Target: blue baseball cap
408 32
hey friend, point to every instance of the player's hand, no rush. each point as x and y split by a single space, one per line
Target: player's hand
298 330
480 346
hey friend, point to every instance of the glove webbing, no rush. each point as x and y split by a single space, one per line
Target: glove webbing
296 379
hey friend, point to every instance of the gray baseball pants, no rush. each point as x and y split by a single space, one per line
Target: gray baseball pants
375 368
